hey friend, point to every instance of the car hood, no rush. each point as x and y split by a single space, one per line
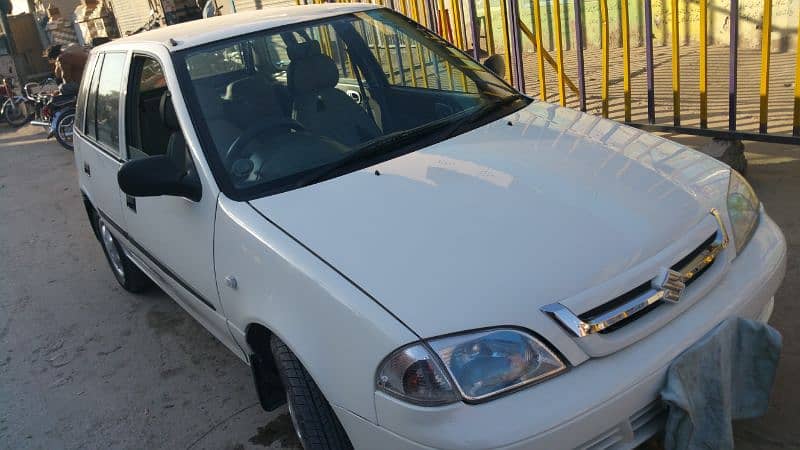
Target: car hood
485 228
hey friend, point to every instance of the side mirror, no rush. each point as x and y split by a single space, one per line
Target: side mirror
496 64
157 175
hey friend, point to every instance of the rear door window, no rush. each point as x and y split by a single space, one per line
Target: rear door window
89 127
108 89
85 82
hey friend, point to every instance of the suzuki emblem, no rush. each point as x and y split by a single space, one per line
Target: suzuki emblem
671 285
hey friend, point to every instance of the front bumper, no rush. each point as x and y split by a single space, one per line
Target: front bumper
608 402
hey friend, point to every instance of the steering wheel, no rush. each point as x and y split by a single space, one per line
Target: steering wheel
236 150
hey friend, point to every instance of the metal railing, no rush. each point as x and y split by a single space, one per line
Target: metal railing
462 24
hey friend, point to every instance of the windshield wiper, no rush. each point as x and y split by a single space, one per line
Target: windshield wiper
441 131
361 153
481 113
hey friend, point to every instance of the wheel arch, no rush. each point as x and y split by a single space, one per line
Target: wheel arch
91 213
270 389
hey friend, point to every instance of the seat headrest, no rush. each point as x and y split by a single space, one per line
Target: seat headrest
303 50
247 88
310 70
167 110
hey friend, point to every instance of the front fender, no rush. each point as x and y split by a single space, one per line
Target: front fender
337 331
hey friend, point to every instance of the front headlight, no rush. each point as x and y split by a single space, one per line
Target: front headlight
743 210
481 364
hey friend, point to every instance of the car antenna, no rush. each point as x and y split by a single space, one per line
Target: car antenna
173 42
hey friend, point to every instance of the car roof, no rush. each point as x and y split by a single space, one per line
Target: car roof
202 31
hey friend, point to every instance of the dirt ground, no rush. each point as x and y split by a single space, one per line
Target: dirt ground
84 364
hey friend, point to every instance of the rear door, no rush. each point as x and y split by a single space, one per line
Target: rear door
98 129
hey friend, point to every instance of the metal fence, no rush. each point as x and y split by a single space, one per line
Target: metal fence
462 24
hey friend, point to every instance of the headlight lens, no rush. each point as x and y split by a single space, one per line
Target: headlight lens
743 209
481 364
487 363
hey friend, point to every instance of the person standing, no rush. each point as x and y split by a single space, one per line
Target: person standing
69 63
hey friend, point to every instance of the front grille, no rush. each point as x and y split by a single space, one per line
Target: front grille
680 265
647 288
644 298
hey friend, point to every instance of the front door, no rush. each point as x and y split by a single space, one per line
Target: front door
173 236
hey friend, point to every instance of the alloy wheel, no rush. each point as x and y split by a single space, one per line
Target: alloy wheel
114 257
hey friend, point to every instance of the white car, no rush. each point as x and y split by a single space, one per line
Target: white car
401 245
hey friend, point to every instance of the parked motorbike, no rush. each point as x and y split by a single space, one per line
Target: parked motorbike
62 122
39 106
20 109
16 109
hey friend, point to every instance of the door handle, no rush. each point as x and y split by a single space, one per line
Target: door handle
130 202
87 169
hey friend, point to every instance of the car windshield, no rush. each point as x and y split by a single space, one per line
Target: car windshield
292 106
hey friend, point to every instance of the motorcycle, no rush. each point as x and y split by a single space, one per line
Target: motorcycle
41 107
62 122
16 109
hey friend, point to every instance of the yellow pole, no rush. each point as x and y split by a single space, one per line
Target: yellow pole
377 44
421 11
537 40
389 58
442 25
676 66
458 13
411 65
456 24
506 39
766 31
562 95
422 65
450 76
604 65
487 19
703 64
326 42
414 10
549 59
626 59
796 122
402 4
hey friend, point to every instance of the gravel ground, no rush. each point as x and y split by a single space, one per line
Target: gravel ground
83 364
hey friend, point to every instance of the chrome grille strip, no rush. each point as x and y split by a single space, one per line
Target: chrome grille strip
665 287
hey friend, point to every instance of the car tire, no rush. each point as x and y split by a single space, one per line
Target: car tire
130 277
315 423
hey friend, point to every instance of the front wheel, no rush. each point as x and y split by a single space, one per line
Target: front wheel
63 128
130 277
16 112
313 418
